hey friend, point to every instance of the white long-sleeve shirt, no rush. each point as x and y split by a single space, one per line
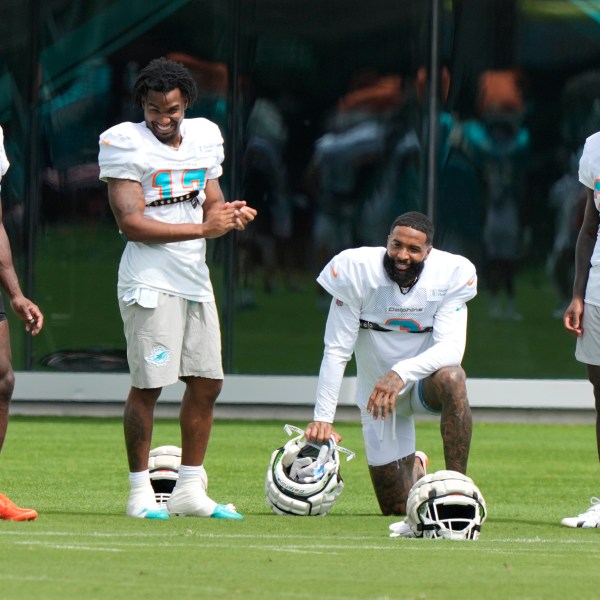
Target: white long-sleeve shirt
425 328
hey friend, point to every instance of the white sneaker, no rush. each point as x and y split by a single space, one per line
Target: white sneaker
589 518
142 504
192 501
401 529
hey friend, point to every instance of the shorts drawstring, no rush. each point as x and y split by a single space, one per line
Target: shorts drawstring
382 427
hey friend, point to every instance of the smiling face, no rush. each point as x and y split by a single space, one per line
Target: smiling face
407 250
163 114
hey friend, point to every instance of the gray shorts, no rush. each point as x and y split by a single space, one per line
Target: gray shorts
394 438
587 349
178 338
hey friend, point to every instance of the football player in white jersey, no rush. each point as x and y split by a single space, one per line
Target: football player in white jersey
582 316
163 188
31 315
402 311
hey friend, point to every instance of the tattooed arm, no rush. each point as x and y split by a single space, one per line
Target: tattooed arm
127 202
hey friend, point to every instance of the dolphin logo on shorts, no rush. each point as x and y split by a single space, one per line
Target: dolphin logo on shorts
159 357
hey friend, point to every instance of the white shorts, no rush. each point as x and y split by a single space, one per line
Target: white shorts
393 439
587 349
178 338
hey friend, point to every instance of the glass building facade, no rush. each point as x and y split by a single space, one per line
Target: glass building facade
337 117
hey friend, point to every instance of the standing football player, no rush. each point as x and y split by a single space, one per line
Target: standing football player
31 315
402 311
163 188
582 316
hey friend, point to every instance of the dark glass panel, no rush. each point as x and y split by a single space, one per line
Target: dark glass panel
332 101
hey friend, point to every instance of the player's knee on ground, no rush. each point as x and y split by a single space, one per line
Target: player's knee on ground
393 481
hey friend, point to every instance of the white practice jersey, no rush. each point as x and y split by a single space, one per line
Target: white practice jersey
424 329
589 175
4 164
131 151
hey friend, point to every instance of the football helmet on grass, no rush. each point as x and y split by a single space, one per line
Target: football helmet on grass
303 477
445 504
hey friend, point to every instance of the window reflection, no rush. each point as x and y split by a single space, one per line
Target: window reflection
325 110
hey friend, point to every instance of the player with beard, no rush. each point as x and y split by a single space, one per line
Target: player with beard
402 311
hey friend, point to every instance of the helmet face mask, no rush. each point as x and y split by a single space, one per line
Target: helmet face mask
446 505
452 517
303 478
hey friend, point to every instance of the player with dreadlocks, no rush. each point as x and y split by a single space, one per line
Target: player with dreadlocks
163 188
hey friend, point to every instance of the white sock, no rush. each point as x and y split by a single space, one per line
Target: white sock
139 479
190 474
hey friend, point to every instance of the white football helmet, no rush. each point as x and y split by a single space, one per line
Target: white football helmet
163 464
304 478
445 504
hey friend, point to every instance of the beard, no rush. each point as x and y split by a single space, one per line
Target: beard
403 278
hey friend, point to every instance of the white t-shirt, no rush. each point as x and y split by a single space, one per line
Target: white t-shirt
4 164
589 175
427 327
131 151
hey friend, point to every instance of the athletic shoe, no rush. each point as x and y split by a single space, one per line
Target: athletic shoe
192 501
142 504
423 458
589 518
9 511
401 529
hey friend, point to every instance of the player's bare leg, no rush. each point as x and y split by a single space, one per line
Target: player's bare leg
196 417
9 511
393 481
593 372
189 498
446 390
7 379
138 421
590 518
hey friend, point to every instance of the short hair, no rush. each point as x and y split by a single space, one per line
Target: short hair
163 75
415 220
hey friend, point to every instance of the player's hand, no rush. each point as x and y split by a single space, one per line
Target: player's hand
220 220
573 316
245 214
29 313
321 432
382 400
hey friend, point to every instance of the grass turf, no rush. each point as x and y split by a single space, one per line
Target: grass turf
82 546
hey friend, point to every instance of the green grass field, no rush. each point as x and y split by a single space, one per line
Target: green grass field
82 546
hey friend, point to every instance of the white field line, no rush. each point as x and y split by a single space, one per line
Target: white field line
211 540
77 547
